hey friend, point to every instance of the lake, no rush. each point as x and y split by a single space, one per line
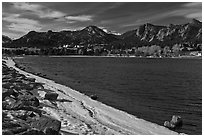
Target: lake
151 89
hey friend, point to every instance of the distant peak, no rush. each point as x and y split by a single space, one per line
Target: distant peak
91 27
110 32
94 29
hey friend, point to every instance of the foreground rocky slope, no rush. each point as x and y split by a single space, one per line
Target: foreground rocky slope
22 112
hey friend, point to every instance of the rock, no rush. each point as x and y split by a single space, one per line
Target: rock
30 79
44 123
22 68
18 130
14 74
9 124
94 97
7 132
27 100
6 77
169 125
38 74
50 131
37 85
8 103
32 132
6 85
12 80
7 92
20 75
51 96
175 123
30 108
29 86
21 114
31 114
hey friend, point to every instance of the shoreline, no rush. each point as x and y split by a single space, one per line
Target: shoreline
93 115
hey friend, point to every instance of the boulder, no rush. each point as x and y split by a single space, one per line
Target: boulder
32 132
17 130
50 131
175 123
7 132
21 114
31 114
13 74
22 68
8 103
94 97
7 85
51 96
29 86
29 108
27 100
7 92
6 78
169 125
30 79
38 74
12 80
46 124
9 124
37 85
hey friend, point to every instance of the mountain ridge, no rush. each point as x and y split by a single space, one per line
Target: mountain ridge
146 34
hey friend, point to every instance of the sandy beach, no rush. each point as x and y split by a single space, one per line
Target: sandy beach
81 115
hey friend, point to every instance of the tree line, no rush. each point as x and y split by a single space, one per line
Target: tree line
153 50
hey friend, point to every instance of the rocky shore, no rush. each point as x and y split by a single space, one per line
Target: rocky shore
22 110
34 105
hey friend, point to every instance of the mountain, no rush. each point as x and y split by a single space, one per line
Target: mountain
6 39
93 35
88 35
146 34
166 35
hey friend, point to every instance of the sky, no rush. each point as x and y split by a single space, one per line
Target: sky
18 18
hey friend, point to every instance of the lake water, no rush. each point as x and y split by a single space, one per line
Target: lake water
151 89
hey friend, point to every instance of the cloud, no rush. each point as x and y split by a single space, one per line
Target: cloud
197 15
74 28
80 18
39 10
17 19
23 27
188 10
192 10
20 24
193 4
